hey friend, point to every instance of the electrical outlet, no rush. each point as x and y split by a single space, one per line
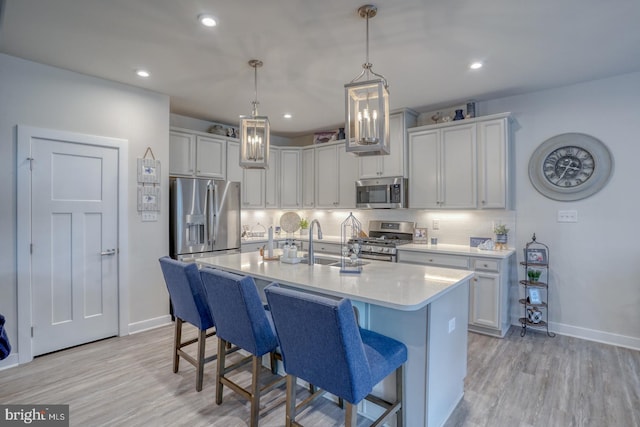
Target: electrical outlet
567 216
436 224
452 324
149 216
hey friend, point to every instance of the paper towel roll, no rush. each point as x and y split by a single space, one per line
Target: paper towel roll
270 243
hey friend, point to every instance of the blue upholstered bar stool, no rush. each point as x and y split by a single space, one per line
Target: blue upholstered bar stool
189 305
321 343
242 320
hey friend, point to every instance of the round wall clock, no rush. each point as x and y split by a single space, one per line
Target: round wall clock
570 166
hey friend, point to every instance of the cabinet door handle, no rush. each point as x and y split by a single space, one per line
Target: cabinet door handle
486 266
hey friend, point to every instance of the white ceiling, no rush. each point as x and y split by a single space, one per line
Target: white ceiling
310 49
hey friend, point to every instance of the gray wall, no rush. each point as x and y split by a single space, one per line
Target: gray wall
41 96
595 263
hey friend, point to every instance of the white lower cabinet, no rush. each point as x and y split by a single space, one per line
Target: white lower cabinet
488 290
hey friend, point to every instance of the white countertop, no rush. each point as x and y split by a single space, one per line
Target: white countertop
405 287
456 250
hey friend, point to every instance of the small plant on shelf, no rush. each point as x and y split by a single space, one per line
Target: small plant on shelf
534 275
304 223
501 231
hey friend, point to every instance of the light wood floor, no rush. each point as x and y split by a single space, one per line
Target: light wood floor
530 381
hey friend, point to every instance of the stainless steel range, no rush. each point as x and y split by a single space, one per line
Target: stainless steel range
384 238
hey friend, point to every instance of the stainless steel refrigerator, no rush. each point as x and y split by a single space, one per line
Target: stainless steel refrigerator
204 217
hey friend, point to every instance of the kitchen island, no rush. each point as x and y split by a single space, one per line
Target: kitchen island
426 308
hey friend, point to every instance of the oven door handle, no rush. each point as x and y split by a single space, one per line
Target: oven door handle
378 257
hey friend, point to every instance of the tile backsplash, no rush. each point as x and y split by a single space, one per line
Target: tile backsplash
455 227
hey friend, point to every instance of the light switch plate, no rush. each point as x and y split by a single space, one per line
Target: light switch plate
567 216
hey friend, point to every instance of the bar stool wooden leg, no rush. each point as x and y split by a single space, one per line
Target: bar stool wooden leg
255 391
220 371
177 337
202 337
351 415
291 401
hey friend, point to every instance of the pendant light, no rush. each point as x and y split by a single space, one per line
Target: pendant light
367 105
254 132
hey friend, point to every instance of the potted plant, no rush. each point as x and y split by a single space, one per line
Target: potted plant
534 275
304 225
501 231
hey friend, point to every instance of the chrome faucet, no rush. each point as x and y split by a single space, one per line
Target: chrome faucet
310 254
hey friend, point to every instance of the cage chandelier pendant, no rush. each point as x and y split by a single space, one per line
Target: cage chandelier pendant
254 131
367 105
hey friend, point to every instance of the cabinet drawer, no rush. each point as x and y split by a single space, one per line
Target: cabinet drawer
485 264
439 260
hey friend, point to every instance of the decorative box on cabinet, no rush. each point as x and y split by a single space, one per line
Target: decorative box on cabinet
193 154
394 163
488 288
460 165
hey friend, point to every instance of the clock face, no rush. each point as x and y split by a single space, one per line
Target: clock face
568 166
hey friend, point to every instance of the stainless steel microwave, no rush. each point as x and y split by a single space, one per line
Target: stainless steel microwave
382 193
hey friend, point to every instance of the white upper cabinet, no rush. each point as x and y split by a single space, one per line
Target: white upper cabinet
442 165
392 164
211 157
348 166
234 171
462 165
272 177
458 185
336 174
182 153
197 155
493 164
308 178
290 179
253 188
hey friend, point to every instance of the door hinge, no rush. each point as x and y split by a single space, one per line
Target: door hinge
31 248
32 332
30 163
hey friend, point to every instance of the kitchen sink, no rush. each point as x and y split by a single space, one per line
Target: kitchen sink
325 260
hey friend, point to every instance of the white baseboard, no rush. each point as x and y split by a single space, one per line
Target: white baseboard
609 338
147 324
9 362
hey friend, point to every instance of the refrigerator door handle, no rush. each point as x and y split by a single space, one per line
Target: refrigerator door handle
213 215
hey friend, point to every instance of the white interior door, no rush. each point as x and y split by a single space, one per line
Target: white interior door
74 278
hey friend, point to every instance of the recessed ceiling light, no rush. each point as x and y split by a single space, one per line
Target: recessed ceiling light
143 73
207 20
287 115
475 65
